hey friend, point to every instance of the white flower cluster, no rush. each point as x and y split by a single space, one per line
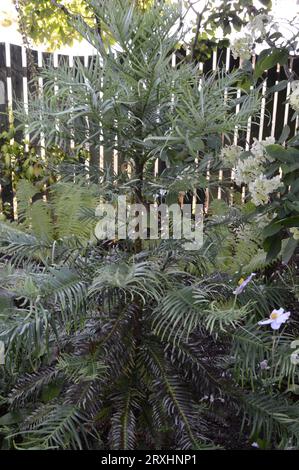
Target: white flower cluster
250 171
230 154
295 232
257 26
259 149
242 47
294 96
261 188
247 170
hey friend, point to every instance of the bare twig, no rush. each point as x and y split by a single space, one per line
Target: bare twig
87 32
62 8
198 26
23 30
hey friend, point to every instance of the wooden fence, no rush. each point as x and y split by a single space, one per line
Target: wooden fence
14 75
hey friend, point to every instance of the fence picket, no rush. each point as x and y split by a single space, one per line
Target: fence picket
6 176
15 75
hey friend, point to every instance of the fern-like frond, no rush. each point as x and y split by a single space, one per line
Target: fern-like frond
30 386
126 403
271 416
61 427
142 279
19 245
80 369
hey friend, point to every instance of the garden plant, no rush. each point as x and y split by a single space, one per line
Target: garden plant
139 343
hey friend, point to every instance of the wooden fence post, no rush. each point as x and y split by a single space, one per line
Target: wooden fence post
6 176
13 71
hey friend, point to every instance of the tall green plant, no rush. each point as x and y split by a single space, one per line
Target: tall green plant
118 344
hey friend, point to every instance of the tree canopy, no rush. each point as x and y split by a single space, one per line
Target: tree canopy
47 21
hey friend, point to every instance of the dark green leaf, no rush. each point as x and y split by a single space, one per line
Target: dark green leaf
273 246
280 153
289 249
269 59
278 87
284 134
13 417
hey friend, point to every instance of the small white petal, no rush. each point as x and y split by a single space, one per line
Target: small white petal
275 325
264 365
265 322
283 318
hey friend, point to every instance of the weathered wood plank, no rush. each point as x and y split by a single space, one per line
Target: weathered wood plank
6 175
15 74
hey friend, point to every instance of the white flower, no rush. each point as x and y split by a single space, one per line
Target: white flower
295 354
277 318
242 47
243 283
255 444
294 97
295 232
259 149
261 188
264 365
247 170
262 220
295 358
295 85
257 26
230 154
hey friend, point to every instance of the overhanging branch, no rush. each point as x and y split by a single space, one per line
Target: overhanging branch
87 32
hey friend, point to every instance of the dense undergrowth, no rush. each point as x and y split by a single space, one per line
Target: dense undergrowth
123 344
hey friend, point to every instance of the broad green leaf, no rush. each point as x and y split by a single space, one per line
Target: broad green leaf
273 246
268 59
272 229
281 154
278 87
51 391
284 134
13 417
288 249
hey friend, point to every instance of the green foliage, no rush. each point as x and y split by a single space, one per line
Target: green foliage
281 235
45 22
268 58
123 337
52 22
226 16
117 344
23 161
